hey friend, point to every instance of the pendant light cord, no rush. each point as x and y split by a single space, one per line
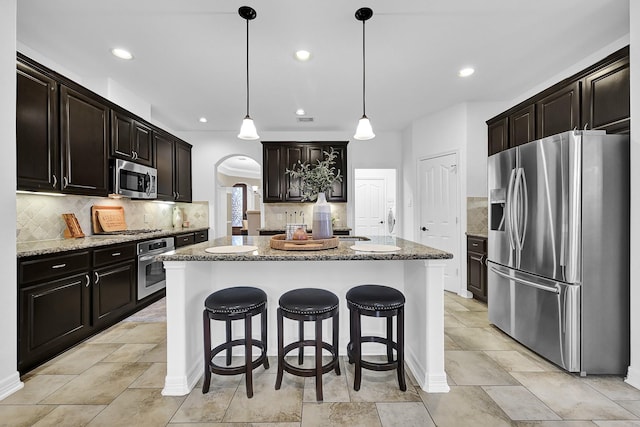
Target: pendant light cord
247 67
363 72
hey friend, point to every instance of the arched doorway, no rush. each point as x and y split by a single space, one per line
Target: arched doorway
239 187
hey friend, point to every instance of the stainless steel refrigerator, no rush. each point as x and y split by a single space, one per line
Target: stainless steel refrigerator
558 249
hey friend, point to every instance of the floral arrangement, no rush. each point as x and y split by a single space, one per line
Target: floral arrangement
318 178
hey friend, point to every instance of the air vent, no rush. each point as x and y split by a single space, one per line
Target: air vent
305 119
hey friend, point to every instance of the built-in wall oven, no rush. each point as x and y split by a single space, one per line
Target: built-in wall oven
151 274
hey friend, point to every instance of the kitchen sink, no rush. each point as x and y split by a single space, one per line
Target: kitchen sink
354 238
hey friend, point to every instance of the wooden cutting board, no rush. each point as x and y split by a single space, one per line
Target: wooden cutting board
107 218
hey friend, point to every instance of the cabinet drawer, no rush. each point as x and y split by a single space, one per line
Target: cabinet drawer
184 240
51 267
201 236
477 244
113 254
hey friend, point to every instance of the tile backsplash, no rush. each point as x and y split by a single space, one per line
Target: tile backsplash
275 214
39 217
477 215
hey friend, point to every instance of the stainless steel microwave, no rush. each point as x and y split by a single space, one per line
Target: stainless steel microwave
134 180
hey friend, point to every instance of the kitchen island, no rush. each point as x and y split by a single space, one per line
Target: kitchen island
414 269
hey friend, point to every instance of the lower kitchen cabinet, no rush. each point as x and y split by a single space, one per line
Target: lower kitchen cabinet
114 292
476 267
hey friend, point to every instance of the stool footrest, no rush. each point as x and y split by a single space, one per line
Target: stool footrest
234 370
308 372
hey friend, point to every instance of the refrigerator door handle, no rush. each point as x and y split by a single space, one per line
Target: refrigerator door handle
509 209
575 193
525 282
525 207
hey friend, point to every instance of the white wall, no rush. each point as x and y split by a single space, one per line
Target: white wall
633 375
9 377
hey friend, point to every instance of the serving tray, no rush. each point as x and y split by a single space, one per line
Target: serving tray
280 242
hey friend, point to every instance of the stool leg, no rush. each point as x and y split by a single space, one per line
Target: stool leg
228 327
319 360
389 339
248 346
280 351
357 352
352 334
301 349
336 328
263 318
400 343
206 323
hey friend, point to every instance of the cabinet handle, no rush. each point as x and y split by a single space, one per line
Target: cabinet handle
65 182
97 277
115 254
55 181
186 239
86 276
59 266
475 245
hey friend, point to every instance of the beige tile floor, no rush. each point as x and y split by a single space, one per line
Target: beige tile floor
115 379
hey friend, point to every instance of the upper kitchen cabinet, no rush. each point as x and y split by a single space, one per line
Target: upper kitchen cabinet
595 98
84 130
131 139
277 157
606 98
173 162
37 130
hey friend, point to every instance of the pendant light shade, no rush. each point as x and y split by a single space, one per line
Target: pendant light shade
248 129
364 130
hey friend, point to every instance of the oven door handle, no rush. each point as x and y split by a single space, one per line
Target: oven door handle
146 258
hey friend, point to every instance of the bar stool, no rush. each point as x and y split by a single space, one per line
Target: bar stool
376 301
241 302
308 305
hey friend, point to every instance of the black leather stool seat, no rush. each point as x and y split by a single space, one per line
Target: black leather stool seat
235 300
376 301
308 305
237 303
375 297
308 301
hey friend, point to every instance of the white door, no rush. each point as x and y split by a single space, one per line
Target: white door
370 197
438 186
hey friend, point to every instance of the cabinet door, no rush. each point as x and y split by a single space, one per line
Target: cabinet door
143 144
498 136
606 100
84 129
37 147
272 178
164 154
114 292
184 240
291 156
122 142
183 172
475 275
53 316
201 236
522 126
559 112
338 192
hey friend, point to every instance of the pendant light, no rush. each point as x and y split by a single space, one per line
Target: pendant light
364 130
248 129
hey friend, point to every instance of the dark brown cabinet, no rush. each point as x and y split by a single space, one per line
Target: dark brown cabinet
131 139
476 267
277 157
53 306
84 129
595 98
37 131
173 163
186 239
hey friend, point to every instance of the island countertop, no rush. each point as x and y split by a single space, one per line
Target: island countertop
408 251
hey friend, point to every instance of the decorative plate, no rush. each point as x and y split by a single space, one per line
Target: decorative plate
235 249
371 247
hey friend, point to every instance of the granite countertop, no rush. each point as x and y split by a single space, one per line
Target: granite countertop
408 251
483 235
43 247
275 229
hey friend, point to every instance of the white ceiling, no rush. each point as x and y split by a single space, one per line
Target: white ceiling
190 54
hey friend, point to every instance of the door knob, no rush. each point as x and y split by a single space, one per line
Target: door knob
381 222
424 229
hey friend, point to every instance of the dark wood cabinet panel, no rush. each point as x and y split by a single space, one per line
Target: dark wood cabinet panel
84 143
130 139
143 143
201 236
184 239
114 292
498 136
164 165
277 157
37 131
183 172
476 268
522 126
606 99
559 111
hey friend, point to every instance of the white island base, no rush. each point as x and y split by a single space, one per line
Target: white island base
190 282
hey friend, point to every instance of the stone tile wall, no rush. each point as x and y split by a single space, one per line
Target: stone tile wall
477 215
273 210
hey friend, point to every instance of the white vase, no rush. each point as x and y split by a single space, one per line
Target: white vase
321 226
177 217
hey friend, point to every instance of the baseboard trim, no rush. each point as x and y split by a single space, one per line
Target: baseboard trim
10 385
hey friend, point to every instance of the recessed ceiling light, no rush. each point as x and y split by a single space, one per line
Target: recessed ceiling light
203 120
300 112
121 53
303 55
466 72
